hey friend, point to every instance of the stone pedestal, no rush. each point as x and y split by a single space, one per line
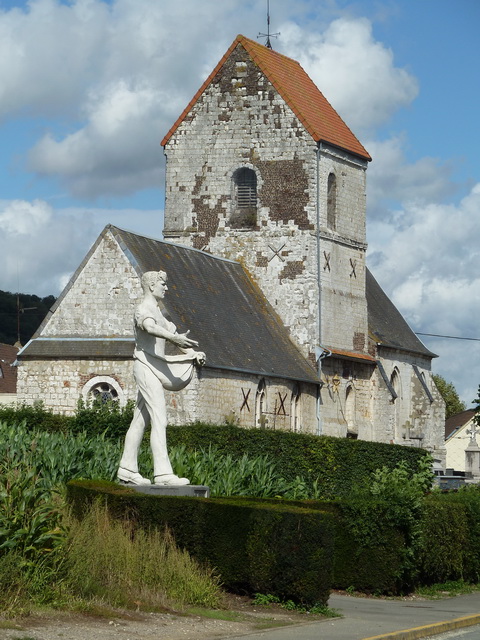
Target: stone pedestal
472 460
190 490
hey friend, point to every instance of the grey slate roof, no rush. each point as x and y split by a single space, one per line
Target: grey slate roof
225 311
223 308
387 325
77 348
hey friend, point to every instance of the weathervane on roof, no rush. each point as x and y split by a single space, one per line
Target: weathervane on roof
268 35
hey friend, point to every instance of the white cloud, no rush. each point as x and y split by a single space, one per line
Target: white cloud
21 218
120 73
392 178
117 151
41 246
355 72
48 55
427 259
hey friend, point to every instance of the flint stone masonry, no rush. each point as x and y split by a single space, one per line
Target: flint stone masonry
101 299
263 134
297 237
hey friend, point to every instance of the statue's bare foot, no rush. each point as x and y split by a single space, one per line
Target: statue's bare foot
131 477
169 480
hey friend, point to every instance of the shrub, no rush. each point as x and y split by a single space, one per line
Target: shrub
35 417
107 418
255 545
468 499
444 542
331 466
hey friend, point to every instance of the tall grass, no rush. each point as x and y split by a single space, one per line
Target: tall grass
115 562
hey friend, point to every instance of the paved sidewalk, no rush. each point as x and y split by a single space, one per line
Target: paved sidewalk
384 619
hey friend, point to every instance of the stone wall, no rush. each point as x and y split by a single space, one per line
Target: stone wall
241 121
100 301
412 418
347 409
60 384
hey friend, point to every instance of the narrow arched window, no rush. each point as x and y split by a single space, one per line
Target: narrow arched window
350 418
332 201
244 213
395 383
260 405
295 418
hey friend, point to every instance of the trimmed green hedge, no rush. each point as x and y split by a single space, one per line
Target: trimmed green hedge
256 545
444 540
369 554
451 536
338 463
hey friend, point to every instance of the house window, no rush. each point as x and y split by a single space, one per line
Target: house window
395 382
244 213
332 201
1 371
350 418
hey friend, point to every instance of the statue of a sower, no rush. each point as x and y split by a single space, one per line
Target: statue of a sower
153 372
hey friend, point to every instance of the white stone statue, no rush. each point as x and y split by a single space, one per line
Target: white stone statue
154 371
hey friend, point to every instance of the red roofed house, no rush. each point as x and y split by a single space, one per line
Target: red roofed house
458 438
8 374
261 170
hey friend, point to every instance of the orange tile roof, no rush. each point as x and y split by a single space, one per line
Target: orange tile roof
297 89
352 355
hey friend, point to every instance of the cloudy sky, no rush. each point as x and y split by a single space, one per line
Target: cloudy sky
88 88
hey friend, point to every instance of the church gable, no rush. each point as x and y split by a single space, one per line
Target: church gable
97 302
230 178
291 82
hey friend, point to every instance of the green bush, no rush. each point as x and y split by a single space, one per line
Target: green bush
468 520
330 466
444 542
35 417
255 545
107 418
313 466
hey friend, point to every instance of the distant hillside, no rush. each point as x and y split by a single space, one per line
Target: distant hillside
28 311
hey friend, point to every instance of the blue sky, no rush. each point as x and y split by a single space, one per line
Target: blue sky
88 89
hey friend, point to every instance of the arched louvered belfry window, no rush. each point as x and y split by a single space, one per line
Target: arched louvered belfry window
332 202
244 213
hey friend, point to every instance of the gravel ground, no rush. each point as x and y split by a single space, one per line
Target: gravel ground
147 626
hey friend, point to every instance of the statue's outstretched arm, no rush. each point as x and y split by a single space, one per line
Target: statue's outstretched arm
180 339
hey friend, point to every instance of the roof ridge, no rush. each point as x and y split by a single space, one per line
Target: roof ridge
299 92
169 242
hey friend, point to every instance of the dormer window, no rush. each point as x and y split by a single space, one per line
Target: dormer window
332 202
244 212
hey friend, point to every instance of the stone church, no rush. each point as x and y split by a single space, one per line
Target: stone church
264 247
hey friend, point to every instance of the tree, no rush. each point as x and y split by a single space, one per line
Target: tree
476 402
453 404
